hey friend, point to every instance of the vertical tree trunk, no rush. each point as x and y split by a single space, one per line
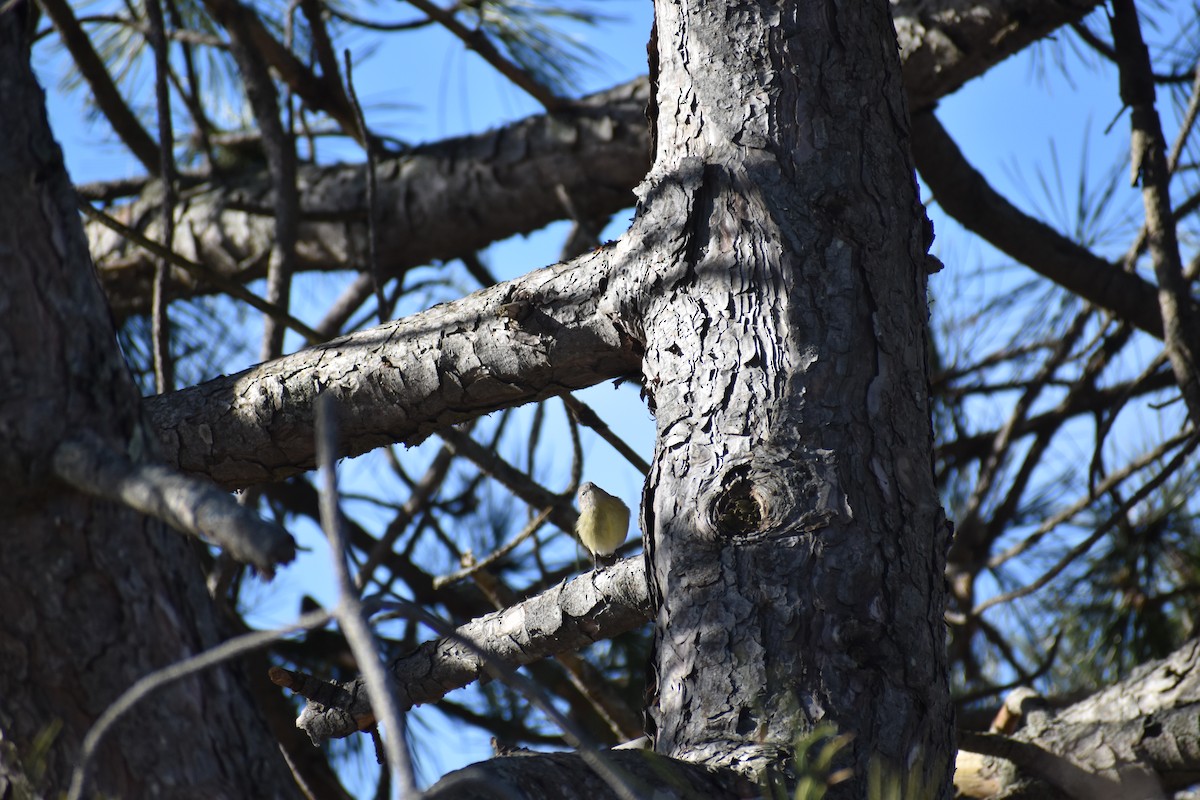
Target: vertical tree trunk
794 535
95 596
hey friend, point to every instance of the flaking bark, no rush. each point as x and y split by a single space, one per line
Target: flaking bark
794 535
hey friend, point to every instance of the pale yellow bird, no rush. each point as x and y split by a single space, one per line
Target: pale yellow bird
603 523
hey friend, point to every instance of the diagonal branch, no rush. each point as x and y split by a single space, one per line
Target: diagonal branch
479 42
966 195
575 613
528 339
104 91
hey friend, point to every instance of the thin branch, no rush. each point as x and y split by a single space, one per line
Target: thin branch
374 25
372 192
1085 545
322 46
160 323
970 536
423 493
280 149
1110 482
349 612
176 34
1185 127
479 42
530 529
591 419
520 484
973 446
1181 332
350 300
1105 49
202 273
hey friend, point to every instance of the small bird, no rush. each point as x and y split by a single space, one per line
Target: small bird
603 523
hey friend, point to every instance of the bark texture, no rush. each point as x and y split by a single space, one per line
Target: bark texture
554 776
521 341
565 618
1139 736
95 596
794 537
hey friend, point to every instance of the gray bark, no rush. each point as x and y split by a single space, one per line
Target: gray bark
794 537
94 595
521 341
1138 735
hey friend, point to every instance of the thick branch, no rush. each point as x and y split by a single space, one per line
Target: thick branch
188 505
443 201
525 340
945 44
566 775
573 614
1140 733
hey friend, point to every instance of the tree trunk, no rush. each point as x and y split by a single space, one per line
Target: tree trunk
794 536
95 596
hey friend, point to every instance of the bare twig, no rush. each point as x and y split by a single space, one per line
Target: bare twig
422 493
203 273
1185 126
372 202
1149 162
322 45
349 611
1111 481
513 479
160 323
478 41
969 447
530 529
588 417
280 149
970 536
350 300
1075 552
376 25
